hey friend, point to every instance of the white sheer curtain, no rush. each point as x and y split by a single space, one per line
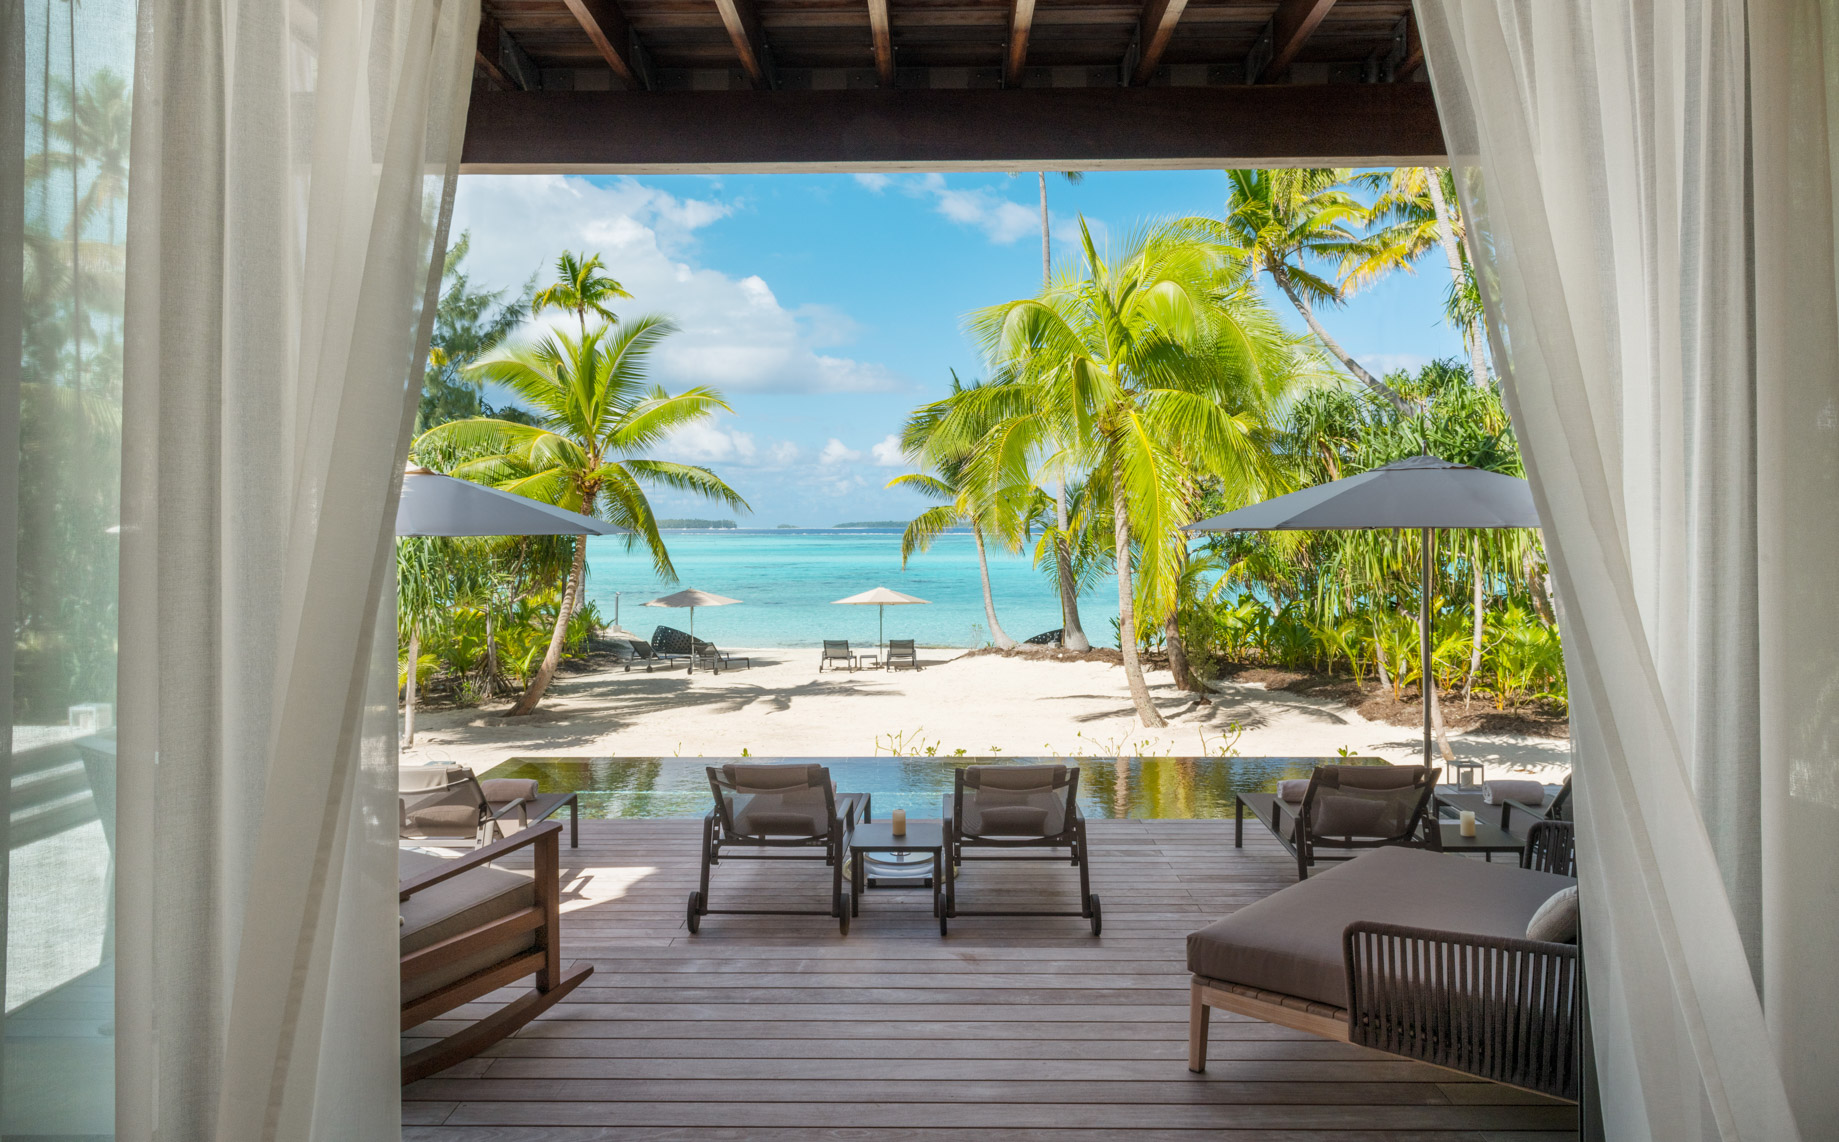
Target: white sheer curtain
293 164
1651 192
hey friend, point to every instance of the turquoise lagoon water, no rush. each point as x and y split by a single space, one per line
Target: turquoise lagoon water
787 581
1165 787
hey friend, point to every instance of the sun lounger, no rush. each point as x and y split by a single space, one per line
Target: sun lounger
837 650
1514 816
1047 638
1346 808
901 651
1405 951
718 659
643 654
763 808
446 805
469 928
1010 807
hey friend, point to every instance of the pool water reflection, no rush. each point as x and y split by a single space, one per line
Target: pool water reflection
1177 787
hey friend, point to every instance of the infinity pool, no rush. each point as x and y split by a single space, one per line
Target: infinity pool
1142 787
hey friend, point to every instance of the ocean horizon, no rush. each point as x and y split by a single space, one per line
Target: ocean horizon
787 581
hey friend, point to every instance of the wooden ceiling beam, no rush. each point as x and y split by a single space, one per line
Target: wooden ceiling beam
611 34
1153 34
1015 59
1414 49
1292 25
1089 128
742 19
881 31
485 54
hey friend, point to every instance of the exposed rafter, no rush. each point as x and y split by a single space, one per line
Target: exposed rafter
606 26
742 20
1414 49
1153 35
881 29
1292 25
1015 59
486 54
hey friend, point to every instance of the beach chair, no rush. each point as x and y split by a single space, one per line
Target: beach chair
717 659
1005 807
837 651
672 645
447 805
644 655
901 651
469 928
1047 638
1552 807
760 809
1347 809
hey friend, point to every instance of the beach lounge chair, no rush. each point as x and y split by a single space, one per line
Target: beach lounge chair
644 655
1015 807
1514 815
718 659
763 808
469 928
901 651
672 645
447 805
835 651
1346 808
1047 638
1405 951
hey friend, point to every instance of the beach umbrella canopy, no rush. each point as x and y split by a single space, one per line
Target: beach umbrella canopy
1422 492
881 598
692 598
433 504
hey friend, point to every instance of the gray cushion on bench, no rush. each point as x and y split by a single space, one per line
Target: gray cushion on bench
476 896
1290 942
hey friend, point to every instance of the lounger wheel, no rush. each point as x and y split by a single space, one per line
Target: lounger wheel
1098 917
693 915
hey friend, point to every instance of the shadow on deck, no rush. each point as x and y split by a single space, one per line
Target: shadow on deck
777 1027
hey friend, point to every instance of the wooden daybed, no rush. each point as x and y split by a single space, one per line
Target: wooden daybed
1415 953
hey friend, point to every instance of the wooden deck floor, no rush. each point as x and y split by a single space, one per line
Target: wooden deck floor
767 1028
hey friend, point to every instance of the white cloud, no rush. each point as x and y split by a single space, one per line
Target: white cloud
1379 364
734 333
1001 220
887 452
703 443
873 182
783 454
837 452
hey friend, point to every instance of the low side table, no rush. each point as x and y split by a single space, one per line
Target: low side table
878 837
1488 839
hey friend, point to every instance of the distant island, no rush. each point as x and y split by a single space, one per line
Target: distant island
875 523
690 524
788 527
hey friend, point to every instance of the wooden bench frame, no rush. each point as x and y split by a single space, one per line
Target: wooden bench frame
553 979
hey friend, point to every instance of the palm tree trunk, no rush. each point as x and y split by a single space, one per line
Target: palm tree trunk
408 689
997 635
1178 656
1047 250
1126 604
1379 660
1446 234
552 659
1369 380
1072 635
491 652
1475 636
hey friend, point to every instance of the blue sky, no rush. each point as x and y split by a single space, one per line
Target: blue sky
827 306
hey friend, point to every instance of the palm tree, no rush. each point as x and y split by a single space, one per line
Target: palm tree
1418 214
964 499
1072 633
581 289
1278 221
597 419
1157 366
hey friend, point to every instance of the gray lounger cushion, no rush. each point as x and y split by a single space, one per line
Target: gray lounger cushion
1290 942
476 896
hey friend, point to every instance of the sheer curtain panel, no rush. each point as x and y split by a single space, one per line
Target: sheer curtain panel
1651 196
293 166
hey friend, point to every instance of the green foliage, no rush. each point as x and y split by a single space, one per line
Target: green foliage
469 323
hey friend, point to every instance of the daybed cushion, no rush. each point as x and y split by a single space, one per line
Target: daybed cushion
499 790
1556 920
476 896
1290 942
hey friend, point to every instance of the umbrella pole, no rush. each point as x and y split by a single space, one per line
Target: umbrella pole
1425 682
881 628
693 665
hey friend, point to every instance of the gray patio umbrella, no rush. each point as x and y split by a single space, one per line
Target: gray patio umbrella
433 504
692 598
881 598
1421 492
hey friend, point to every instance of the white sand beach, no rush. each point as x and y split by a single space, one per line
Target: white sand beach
983 704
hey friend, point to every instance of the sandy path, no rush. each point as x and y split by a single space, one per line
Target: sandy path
783 707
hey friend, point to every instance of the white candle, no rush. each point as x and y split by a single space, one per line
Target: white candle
1467 827
900 822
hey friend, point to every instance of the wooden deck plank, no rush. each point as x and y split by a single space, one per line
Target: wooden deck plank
1019 1028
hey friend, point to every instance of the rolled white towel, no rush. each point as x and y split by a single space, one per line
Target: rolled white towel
1293 790
1528 792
